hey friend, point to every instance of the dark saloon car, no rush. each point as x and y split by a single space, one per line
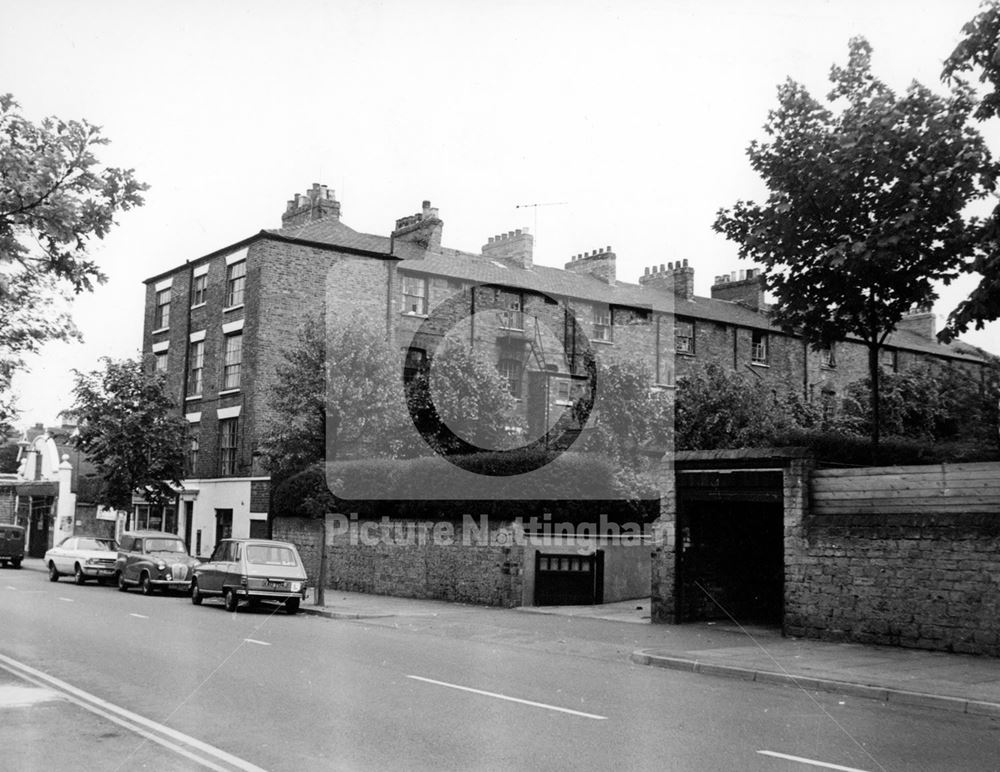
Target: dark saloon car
11 545
251 570
152 560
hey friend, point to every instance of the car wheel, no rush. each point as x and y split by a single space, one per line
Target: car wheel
122 587
292 605
196 598
232 602
16 562
145 586
53 574
78 576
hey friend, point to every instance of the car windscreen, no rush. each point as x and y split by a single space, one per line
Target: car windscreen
263 555
100 545
165 545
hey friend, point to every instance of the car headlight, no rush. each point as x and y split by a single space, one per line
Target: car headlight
296 586
92 561
161 565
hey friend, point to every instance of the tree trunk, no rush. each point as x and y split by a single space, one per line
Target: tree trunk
873 374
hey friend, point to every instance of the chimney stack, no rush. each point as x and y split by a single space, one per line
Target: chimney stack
676 277
745 287
599 263
514 248
423 229
318 203
921 321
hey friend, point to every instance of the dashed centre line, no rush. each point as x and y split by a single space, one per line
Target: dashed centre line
254 640
811 762
509 699
139 616
68 600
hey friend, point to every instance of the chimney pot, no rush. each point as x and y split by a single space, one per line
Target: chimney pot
647 271
608 249
685 262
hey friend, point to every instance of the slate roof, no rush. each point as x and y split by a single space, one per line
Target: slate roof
332 232
455 264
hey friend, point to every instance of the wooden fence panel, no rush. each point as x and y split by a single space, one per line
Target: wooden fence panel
953 488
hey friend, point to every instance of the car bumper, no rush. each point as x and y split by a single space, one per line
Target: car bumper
171 584
270 594
98 572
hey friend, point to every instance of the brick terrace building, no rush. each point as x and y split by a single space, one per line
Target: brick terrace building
217 326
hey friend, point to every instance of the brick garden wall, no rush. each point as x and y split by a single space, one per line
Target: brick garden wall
906 556
404 558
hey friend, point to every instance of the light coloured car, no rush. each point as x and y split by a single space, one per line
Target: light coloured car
83 558
252 570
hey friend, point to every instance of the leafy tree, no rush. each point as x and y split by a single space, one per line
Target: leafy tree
632 423
461 403
131 431
979 50
8 457
54 198
333 394
933 404
865 206
717 408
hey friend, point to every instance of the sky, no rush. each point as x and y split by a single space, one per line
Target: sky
626 121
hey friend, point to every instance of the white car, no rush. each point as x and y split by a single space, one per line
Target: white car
83 557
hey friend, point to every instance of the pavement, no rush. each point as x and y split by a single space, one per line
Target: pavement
939 680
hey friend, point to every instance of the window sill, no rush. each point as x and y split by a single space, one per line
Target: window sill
664 385
198 305
160 331
226 392
414 314
564 403
237 307
760 364
603 342
193 397
685 354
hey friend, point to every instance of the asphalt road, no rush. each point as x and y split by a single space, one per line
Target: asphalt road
302 693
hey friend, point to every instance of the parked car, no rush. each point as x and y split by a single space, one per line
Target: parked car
152 560
11 545
85 557
251 570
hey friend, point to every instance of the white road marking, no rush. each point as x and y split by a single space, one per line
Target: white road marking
139 616
11 587
509 699
151 730
813 762
21 696
68 600
259 643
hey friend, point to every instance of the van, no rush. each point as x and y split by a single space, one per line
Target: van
11 545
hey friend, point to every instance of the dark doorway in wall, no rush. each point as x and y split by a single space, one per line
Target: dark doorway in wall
730 547
573 579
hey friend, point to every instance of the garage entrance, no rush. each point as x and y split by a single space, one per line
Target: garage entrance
730 546
569 580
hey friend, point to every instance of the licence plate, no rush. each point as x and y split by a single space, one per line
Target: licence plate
275 584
